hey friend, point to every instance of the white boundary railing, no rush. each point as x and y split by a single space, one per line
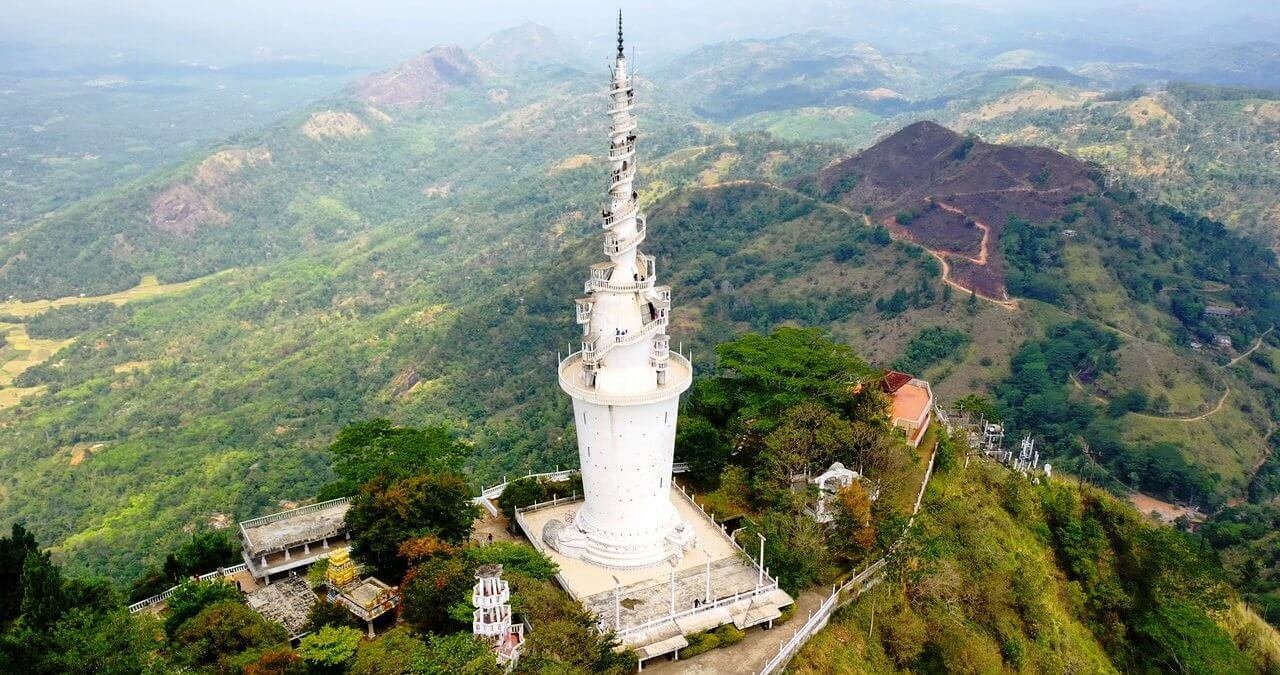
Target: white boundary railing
157 599
488 494
283 515
862 581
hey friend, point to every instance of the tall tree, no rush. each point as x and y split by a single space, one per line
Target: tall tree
222 630
377 448
808 436
385 514
44 592
852 534
330 649
13 556
767 374
431 589
704 447
192 597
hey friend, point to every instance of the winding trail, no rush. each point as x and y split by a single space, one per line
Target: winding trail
1196 418
1256 343
1221 402
1011 305
942 254
986 235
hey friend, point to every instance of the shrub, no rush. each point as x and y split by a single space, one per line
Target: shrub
729 634
330 648
700 643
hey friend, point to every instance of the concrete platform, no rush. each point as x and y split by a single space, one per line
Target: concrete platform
651 609
584 579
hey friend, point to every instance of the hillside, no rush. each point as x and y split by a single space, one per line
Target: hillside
1005 575
529 45
71 129
312 179
420 81
1201 148
1033 225
932 186
413 259
737 79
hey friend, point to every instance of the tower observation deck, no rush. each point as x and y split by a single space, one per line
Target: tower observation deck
625 380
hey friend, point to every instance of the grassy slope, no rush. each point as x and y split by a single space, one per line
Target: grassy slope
1212 156
966 599
251 373
983 592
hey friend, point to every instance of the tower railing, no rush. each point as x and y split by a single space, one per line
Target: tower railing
601 278
623 151
677 382
622 127
620 86
595 347
629 210
620 286
620 176
614 244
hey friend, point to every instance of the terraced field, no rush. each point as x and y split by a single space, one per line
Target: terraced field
22 352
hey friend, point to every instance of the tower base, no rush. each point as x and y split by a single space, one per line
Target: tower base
574 536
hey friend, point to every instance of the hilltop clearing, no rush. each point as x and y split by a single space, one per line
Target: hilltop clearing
935 187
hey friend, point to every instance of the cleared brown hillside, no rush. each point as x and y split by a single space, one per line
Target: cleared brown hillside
973 183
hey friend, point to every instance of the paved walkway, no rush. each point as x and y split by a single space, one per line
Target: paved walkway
748 656
487 525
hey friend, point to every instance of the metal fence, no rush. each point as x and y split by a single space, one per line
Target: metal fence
157 599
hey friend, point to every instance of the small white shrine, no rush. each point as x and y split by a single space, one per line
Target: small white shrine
491 619
831 481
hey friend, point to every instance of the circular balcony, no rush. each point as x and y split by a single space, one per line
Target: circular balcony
679 376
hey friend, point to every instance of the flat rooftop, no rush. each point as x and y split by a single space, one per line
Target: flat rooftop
910 402
294 527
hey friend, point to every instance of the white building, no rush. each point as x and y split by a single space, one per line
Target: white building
625 381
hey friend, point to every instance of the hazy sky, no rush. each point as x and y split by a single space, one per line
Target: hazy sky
374 31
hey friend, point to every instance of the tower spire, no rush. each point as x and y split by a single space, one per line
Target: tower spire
619 33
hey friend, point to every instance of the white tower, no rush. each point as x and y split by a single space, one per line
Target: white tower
491 619
625 382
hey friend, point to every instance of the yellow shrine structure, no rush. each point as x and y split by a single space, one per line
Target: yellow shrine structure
342 571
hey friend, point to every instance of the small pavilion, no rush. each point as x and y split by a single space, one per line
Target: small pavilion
367 599
831 481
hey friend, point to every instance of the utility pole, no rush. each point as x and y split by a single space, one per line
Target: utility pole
760 580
